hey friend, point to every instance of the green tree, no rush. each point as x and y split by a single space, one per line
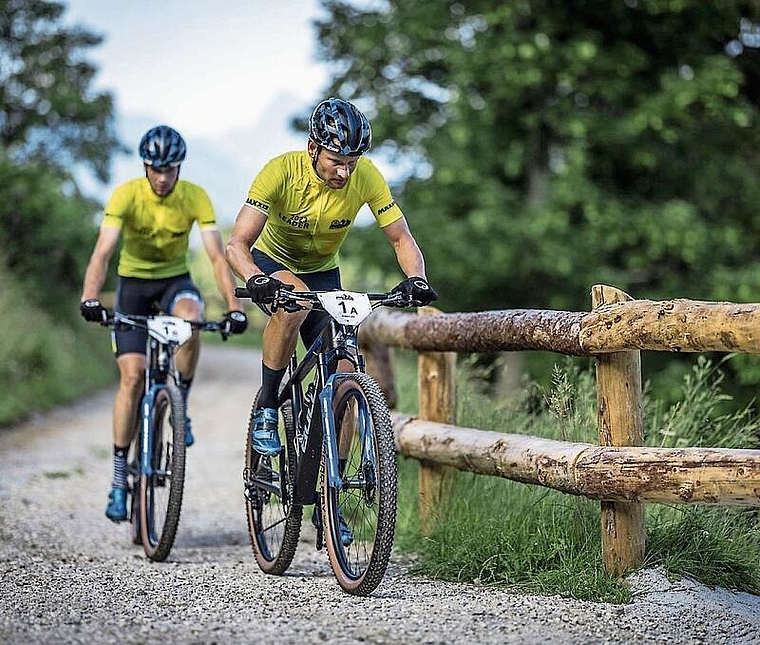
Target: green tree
51 122
557 145
49 111
49 237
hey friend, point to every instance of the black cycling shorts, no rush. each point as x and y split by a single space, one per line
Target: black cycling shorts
318 281
145 297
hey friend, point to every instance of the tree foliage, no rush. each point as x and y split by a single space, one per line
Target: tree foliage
50 121
49 237
49 111
558 145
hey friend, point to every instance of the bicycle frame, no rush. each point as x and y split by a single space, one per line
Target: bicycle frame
165 335
336 341
334 414
157 453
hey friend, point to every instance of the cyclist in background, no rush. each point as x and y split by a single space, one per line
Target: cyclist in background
298 211
154 215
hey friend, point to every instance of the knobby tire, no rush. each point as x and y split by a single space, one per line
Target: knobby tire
368 505
133 466
274 522
161 492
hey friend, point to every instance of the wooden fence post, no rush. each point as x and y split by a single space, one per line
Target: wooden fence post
379 365
436 377
620 423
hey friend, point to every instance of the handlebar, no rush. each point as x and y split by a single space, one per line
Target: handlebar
137 321
292 301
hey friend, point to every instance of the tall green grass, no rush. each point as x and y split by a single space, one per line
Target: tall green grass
498 532
45 359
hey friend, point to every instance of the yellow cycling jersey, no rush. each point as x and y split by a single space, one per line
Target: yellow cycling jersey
155 230
306 220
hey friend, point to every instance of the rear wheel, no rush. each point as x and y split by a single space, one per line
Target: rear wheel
161 489
274 522
133 468
360 516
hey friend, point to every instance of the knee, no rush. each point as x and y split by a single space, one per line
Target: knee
131 381
289 323
188 309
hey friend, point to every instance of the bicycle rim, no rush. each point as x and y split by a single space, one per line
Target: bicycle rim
133 468
367 500
161 490
274 523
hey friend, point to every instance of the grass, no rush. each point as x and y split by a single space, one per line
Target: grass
45 359
497 532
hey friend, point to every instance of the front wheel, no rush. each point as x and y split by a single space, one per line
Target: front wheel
360 516
133 469
161 488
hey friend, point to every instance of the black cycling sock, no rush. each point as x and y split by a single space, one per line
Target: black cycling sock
270 385
185 387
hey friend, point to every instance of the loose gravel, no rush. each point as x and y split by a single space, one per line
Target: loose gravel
68 575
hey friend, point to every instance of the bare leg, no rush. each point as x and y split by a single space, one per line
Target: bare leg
132 374
188 354
281 332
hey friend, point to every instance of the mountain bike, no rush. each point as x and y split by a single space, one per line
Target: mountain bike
336 433
156 457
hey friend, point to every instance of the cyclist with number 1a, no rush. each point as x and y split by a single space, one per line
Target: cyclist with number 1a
153 216
288 232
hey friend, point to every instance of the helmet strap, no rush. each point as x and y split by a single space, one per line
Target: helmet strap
314 150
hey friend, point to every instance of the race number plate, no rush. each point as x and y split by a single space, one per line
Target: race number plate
346 307
170 329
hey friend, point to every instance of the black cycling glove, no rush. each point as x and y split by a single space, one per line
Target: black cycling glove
92 311
262 288
236 322
417 289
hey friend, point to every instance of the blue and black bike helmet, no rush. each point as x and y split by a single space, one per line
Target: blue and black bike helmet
339 126
162 146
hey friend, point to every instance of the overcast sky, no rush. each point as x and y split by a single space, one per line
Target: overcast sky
228 74
205 66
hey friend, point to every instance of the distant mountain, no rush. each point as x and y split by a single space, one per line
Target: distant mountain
224 165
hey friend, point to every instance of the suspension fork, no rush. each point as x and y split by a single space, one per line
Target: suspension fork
146 411
330 438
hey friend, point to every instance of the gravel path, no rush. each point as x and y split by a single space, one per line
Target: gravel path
68 575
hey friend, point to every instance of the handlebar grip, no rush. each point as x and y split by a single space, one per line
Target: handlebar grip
242 292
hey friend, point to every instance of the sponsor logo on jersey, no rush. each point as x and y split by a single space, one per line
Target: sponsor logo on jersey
340 223
297 221
257 204
386 208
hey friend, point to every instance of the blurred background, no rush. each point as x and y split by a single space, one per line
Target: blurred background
537 148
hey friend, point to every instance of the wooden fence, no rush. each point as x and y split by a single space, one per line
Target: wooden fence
619 472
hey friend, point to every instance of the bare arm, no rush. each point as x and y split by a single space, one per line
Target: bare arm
248 226
225 281
95 276
407 251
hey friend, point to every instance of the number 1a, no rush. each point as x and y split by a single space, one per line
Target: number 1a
344 307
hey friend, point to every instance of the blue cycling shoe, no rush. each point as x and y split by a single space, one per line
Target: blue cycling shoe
189 438
264 437
346 534
116 511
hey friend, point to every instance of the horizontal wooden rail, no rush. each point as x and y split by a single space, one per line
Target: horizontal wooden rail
620 472
485 331
612 473
673 325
